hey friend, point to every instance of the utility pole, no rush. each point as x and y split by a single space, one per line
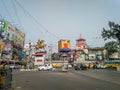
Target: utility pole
50 53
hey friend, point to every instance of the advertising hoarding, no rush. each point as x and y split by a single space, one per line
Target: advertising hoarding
16 36
63 44
11 33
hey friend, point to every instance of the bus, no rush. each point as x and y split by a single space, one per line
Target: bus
112 63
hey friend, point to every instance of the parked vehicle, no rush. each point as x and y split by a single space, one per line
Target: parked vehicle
112 63
64 68
100 66
57 65
80 66
45 67
70 66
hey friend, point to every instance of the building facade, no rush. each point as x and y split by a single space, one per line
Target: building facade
85 54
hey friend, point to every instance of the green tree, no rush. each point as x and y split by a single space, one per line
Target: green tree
55 56
112 33
111 47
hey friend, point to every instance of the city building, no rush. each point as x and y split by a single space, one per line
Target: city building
85 54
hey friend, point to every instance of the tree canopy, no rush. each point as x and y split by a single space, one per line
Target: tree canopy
111 47
112 33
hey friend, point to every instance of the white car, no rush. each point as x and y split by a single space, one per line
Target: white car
45 67
101 66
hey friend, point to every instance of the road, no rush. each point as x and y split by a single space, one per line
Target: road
73 80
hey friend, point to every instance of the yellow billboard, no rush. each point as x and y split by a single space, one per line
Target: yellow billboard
40 44
2 45
63 44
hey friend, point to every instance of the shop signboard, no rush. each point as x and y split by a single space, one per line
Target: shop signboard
98 56
91 56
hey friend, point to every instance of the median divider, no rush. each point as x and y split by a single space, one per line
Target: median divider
28 69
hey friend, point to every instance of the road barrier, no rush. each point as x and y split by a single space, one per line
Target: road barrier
28 69
5 78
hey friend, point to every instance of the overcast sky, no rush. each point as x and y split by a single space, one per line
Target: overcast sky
52 20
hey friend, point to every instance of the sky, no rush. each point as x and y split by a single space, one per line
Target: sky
52 20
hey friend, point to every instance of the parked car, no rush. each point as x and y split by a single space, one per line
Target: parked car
70 66
100 66
45 67
80 66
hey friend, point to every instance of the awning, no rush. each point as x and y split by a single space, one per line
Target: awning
39 54
64 50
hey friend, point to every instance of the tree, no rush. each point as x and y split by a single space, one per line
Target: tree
55 56
112 33
111 47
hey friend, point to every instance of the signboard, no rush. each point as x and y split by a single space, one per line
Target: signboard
63 44
39 60
40 44
91 56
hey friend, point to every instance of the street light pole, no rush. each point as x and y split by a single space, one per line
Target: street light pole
50 52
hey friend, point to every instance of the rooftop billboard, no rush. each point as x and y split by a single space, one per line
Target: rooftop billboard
64 45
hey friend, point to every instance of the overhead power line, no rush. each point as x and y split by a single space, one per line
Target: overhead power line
46 30
14 7
1 16
7 10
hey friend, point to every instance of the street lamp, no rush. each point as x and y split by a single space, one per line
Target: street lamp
50 52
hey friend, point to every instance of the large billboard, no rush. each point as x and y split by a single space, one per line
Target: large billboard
63 44
11 33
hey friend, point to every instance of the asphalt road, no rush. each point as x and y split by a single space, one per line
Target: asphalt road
73 80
